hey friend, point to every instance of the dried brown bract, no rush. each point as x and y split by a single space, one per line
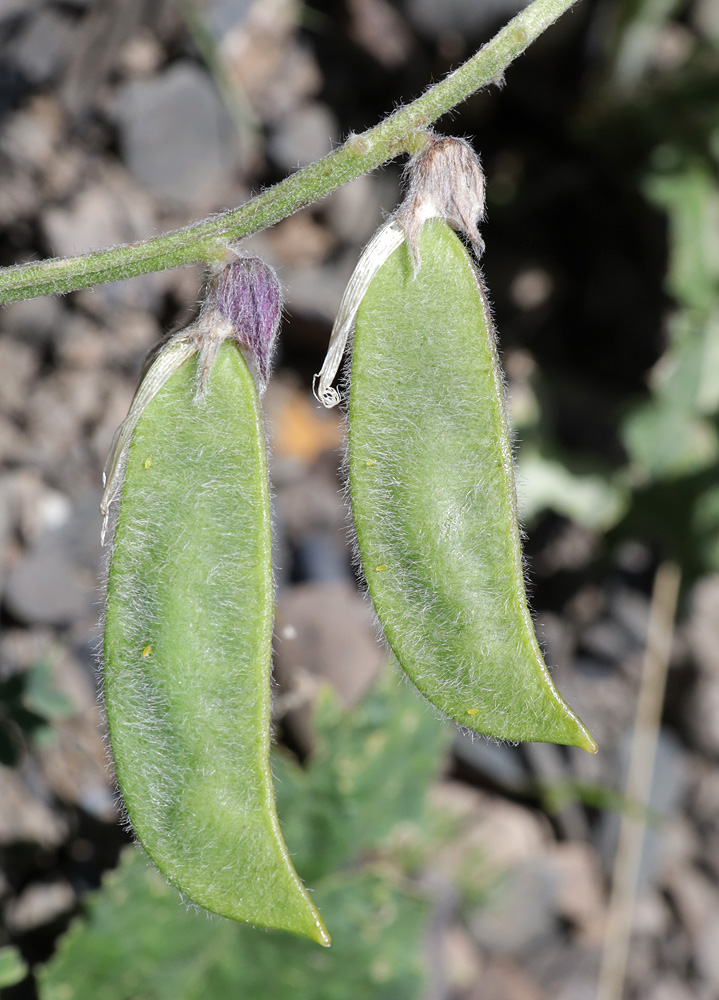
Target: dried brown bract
446 182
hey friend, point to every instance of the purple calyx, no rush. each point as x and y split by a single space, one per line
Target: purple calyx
247 294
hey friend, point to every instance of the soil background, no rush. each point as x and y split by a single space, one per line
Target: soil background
121 120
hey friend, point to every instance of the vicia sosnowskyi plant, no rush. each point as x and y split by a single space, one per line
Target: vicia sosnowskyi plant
188 623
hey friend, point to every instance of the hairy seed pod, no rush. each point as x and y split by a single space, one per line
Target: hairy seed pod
433 495
188 633
431 475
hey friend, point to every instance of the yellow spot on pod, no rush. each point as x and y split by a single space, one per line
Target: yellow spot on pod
147 463
371 461
146 651
381 568
472 711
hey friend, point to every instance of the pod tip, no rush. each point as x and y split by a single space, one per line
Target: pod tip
583 739
321 936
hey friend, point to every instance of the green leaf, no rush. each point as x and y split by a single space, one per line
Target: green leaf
592 500
12 967
687 374
41 696
139 941
557 795
370 771
705 523
637 25
665 442
691 200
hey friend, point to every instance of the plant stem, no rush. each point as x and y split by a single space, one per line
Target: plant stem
625 877
207 240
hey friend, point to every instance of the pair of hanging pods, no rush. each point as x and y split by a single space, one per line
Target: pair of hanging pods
188 623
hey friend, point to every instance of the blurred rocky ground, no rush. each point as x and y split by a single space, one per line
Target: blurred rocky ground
120 120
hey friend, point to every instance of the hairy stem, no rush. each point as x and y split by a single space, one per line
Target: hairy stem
206 241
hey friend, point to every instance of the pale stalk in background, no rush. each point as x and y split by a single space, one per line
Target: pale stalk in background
625 876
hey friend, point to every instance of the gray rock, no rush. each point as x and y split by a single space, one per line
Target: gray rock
81 533
325 634
327 630
38 507
177 137
23 648
551 770
693 897
322 556
580 893
11 8
222 15
497 835
461 962
575 545
354 211
75 766
502 763
43 46
38 905
107 210
704 811
652 919
641 961
311 504
25 814
466 17
608 640
34 321
18 196
702 714
32 140
577 986
705 17
6 518
43 588
503 979
19 364
631 610
520 912
564 970
314 291
703 625
706 953
55 582
110 210
378 27
303 136
445 901
670 988
662 843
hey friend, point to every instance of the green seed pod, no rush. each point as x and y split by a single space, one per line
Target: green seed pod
431 479
188 633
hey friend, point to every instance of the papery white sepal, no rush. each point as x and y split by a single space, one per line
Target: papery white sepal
384 242
174 354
